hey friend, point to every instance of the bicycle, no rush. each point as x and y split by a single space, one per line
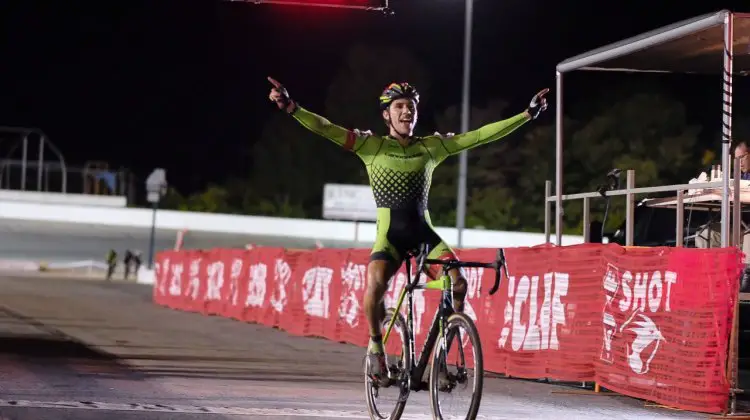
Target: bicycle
407 375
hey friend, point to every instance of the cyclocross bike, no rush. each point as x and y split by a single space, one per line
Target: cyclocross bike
404 376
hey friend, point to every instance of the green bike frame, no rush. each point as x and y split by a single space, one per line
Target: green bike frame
444 284
437 329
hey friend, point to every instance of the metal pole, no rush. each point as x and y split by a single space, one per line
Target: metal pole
24 154
586 220
733 342
736 206
547 209
463 162
680 238
727 126
152 240
558 158
41 163
63 167
629 208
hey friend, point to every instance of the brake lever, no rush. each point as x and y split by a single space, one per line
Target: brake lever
500 264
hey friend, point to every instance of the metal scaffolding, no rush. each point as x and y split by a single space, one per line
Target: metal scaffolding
701 45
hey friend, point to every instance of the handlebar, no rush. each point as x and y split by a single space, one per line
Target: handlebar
500 263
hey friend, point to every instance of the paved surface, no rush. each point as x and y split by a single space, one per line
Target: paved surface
83 349
65 242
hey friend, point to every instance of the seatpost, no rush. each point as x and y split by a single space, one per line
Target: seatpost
407 262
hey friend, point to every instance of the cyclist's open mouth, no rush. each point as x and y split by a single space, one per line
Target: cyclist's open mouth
405 122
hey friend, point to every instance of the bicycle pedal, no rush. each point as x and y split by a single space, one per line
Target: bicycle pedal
381 383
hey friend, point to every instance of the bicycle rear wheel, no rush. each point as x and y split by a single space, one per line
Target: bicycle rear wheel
459 345
390 405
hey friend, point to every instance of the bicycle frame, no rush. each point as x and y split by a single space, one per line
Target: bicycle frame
445 284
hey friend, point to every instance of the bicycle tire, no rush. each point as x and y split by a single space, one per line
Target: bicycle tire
453 321
372 410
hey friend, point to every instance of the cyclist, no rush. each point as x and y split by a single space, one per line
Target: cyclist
399 166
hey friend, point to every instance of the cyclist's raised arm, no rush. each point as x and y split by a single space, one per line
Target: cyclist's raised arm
347 139
483 135
493 131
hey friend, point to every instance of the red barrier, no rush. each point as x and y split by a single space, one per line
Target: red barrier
652 323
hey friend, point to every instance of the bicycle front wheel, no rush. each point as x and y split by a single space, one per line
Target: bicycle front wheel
457 371
387 403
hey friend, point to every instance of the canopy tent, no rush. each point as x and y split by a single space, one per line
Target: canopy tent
690 46
714 43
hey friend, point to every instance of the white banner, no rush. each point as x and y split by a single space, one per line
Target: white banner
349 202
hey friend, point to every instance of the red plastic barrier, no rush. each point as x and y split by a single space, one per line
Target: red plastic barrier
652 323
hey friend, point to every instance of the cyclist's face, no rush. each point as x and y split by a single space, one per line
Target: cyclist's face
403 115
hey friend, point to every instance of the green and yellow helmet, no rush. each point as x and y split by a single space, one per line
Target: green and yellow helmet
398 91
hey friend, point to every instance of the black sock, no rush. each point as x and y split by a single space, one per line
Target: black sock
376 343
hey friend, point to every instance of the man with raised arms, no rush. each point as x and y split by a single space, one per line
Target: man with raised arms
399 166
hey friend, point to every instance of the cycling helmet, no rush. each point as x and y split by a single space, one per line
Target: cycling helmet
398 91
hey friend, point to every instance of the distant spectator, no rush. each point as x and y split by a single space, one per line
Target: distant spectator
111 263
126 262
132 258
741 151
710 235
137 261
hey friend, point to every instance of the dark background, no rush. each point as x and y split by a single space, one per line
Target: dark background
181 84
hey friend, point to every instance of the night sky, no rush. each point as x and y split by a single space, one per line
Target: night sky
182 84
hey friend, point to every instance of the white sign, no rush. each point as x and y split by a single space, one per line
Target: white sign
156 185
349 202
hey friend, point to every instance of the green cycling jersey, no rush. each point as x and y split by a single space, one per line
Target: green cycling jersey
400 176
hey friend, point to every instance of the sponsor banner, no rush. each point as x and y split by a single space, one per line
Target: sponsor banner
651 323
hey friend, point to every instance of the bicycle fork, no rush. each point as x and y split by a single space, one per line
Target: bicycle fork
446 311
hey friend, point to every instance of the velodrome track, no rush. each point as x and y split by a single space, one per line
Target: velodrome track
50 241
86 349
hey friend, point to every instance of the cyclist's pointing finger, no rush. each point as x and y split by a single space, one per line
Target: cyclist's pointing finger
274 82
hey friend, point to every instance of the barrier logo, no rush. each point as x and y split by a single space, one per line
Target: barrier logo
316 294
609 325
473 281
234 280
528 325
398 281
256 288
175 286
647 333
215 274
161 272
638 298
353 281
282 273
194 280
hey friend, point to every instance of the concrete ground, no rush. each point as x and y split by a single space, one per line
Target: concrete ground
85 349
65 242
